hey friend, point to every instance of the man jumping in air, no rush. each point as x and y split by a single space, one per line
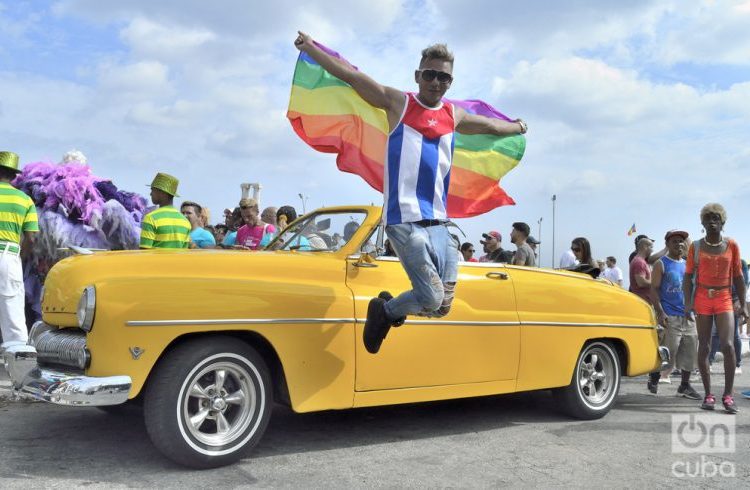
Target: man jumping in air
415 185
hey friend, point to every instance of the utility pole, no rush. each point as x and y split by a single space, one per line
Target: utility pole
554 199
539 239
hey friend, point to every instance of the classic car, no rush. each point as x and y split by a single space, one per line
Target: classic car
206 341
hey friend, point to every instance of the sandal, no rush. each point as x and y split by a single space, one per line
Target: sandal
729 405
708 402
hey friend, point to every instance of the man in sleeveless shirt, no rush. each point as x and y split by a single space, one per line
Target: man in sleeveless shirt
415 185
680 334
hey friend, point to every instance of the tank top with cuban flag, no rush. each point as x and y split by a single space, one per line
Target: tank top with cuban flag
418 163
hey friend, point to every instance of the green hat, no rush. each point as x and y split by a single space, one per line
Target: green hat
8 159
166 183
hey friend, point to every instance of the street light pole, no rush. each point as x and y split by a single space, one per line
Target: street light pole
554 199
539 239
304 201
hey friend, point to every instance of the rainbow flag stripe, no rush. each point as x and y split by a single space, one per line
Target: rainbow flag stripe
331 117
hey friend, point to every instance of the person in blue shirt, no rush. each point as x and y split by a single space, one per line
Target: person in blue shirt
200 237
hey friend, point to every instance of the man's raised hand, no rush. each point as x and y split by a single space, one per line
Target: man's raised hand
303 41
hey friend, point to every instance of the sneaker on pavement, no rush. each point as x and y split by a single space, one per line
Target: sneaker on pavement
652 387
687 391
729 405
376 325
709 402
738 370
745 394
665 380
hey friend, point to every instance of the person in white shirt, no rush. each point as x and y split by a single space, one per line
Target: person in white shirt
612 272
568 259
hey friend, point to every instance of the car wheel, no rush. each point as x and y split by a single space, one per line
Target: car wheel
208 402
594 385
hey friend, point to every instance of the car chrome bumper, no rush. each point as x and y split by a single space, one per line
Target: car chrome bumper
28 379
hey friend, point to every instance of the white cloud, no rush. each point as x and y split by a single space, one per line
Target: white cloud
201 91
152 40
140 77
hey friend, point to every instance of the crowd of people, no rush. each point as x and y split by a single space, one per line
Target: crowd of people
697 289
699 293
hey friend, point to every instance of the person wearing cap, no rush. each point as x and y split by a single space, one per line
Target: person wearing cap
494 252
18 224
524 253
534 244
165 227
612 272
680 335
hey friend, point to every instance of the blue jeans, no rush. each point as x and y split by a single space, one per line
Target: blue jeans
429 255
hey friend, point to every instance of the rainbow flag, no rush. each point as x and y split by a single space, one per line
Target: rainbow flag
632 230
331 117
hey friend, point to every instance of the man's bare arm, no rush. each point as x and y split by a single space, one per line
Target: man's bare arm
656 276
375 94
476 124
687 292
641 281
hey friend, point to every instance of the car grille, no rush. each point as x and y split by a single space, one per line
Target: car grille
64 346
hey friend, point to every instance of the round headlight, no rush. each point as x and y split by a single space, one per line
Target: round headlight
86 308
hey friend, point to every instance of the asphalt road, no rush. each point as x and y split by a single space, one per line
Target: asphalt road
514 440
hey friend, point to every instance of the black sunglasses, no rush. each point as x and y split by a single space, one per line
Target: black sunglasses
430 75
575 249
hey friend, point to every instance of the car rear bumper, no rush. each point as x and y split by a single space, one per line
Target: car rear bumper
58 387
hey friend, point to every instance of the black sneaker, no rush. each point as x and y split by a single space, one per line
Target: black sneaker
376 325
388 296
652 387
687 391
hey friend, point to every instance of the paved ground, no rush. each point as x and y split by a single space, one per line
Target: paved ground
516 440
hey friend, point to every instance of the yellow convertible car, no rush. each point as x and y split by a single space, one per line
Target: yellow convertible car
208 340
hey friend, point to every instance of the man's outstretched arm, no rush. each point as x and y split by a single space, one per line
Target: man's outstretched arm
476 124
372 92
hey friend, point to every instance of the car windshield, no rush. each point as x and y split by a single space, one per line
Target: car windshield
319 232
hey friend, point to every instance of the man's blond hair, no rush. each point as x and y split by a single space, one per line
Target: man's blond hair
436 52
714 207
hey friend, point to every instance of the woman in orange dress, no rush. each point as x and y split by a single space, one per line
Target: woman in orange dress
711 269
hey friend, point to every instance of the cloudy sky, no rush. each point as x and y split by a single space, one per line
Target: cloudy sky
639 111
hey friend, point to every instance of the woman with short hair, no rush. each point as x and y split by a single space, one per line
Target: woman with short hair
713 267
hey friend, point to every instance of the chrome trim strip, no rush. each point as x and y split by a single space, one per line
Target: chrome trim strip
458 323
607 325
304 321
237 321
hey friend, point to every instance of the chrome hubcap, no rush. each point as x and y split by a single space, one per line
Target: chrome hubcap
596 375
220 403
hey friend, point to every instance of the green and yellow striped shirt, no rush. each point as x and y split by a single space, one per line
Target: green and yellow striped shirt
165 227
17 214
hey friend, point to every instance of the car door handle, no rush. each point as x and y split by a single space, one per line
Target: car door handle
364 264
497 275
